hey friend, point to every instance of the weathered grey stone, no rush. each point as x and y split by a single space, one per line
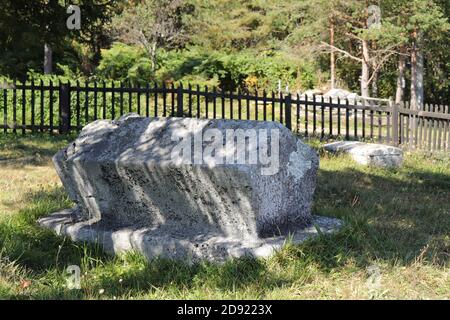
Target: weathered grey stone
125 182
368 153
190 248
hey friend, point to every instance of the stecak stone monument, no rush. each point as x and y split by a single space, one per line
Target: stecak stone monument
188 188
369 154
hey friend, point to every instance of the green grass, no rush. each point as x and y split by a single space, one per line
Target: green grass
395 219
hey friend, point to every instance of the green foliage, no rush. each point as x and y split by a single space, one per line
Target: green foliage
125 63
25 27
244 70
234 44
308 79
141 71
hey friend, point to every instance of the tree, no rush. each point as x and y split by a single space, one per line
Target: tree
21 36
95 18
311 30
27 27
417 26
427 21
153 24
354 16
332 54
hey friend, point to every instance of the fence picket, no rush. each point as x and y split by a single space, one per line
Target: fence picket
355 124
288 109
339 117
430 131
14 108
206 102
388 127
172 100
447 111
147 100
330 110
435 130
363 120
273 105
77 105
41 106
281 107
165 99
155 88
264 105
347 120
439 134
189 99
297 123
24 99
420 124
5 110
104 100
86 103
215 103
322 119
96 101
371 125
180 107
239 105
198 102
256 105
222 103
306 115
32 106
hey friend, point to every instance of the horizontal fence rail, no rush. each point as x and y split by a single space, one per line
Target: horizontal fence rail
64 107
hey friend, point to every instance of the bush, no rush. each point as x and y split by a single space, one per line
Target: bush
125 63
245 70
229 70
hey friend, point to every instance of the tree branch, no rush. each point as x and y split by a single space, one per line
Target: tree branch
379 65
345 53
352 35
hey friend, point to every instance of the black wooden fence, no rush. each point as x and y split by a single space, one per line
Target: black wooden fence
64 107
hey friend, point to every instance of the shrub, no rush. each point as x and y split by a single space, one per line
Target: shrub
245 70
125 63
249 69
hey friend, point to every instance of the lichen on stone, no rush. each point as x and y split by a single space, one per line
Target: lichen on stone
298 161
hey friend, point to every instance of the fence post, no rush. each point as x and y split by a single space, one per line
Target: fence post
64 108
287 112
180 100
395 117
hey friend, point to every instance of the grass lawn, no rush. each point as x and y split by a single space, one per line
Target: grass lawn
397 225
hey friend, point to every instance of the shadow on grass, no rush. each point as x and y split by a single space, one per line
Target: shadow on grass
47 255
36 149
36 248
391 215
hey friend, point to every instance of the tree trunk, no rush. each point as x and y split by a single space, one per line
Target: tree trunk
401 77
48 59
375 73
332 56
365 73
375 85
417 92
153 55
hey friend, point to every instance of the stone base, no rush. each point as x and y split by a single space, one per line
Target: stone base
158 243
379 155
